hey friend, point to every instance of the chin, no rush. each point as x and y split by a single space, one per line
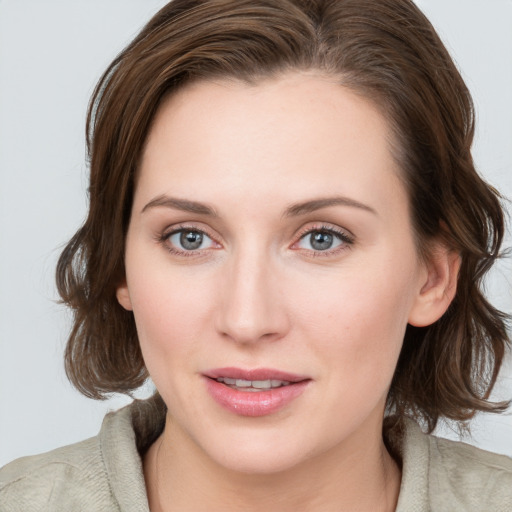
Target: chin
259 463
257 453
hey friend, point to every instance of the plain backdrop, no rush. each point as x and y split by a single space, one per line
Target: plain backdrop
52 52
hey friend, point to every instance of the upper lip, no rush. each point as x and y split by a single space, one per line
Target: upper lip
254 374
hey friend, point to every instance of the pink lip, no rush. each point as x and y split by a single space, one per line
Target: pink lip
259 403
254 374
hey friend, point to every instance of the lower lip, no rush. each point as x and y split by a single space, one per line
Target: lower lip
254 403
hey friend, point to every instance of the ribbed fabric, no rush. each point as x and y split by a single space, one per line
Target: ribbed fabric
101 474
104 473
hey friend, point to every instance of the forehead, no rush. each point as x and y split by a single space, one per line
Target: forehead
298 134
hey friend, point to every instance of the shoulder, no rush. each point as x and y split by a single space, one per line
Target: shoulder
470 476
101 474
67 478
449 475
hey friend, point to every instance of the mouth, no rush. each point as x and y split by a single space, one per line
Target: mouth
256 379
252 385
255 392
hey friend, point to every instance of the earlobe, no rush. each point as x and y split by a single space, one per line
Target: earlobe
438 289
123 296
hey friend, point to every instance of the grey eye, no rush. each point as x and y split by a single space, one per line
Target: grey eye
321 241
189 240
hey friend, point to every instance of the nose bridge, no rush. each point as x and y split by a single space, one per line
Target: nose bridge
251 307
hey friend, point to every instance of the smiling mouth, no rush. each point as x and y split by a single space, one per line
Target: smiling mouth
256 392
253 386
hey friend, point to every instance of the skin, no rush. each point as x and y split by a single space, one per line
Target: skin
259 294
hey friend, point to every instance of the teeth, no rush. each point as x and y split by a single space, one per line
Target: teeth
262 384
252 385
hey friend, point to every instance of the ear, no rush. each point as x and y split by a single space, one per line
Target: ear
438 287
123 295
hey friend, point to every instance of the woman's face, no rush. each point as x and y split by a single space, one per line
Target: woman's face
270 241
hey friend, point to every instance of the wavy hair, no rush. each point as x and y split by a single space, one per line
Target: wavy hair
385 50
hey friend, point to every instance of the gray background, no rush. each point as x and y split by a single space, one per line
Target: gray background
51 54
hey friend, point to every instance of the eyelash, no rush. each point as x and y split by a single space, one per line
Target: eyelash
163 239
346 239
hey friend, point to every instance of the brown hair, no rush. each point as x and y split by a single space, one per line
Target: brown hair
385 50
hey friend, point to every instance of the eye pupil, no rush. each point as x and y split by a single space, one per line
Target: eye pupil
191 240
321 240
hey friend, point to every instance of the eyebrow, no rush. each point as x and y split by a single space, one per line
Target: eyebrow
317 204
180 204
293 210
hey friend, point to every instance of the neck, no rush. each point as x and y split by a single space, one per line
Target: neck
354 476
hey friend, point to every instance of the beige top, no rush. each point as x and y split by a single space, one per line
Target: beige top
104 473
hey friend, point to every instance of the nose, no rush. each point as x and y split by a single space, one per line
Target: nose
251 305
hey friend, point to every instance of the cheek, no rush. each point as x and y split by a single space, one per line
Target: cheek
359 316
171 310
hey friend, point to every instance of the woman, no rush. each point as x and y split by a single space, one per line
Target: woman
287 234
